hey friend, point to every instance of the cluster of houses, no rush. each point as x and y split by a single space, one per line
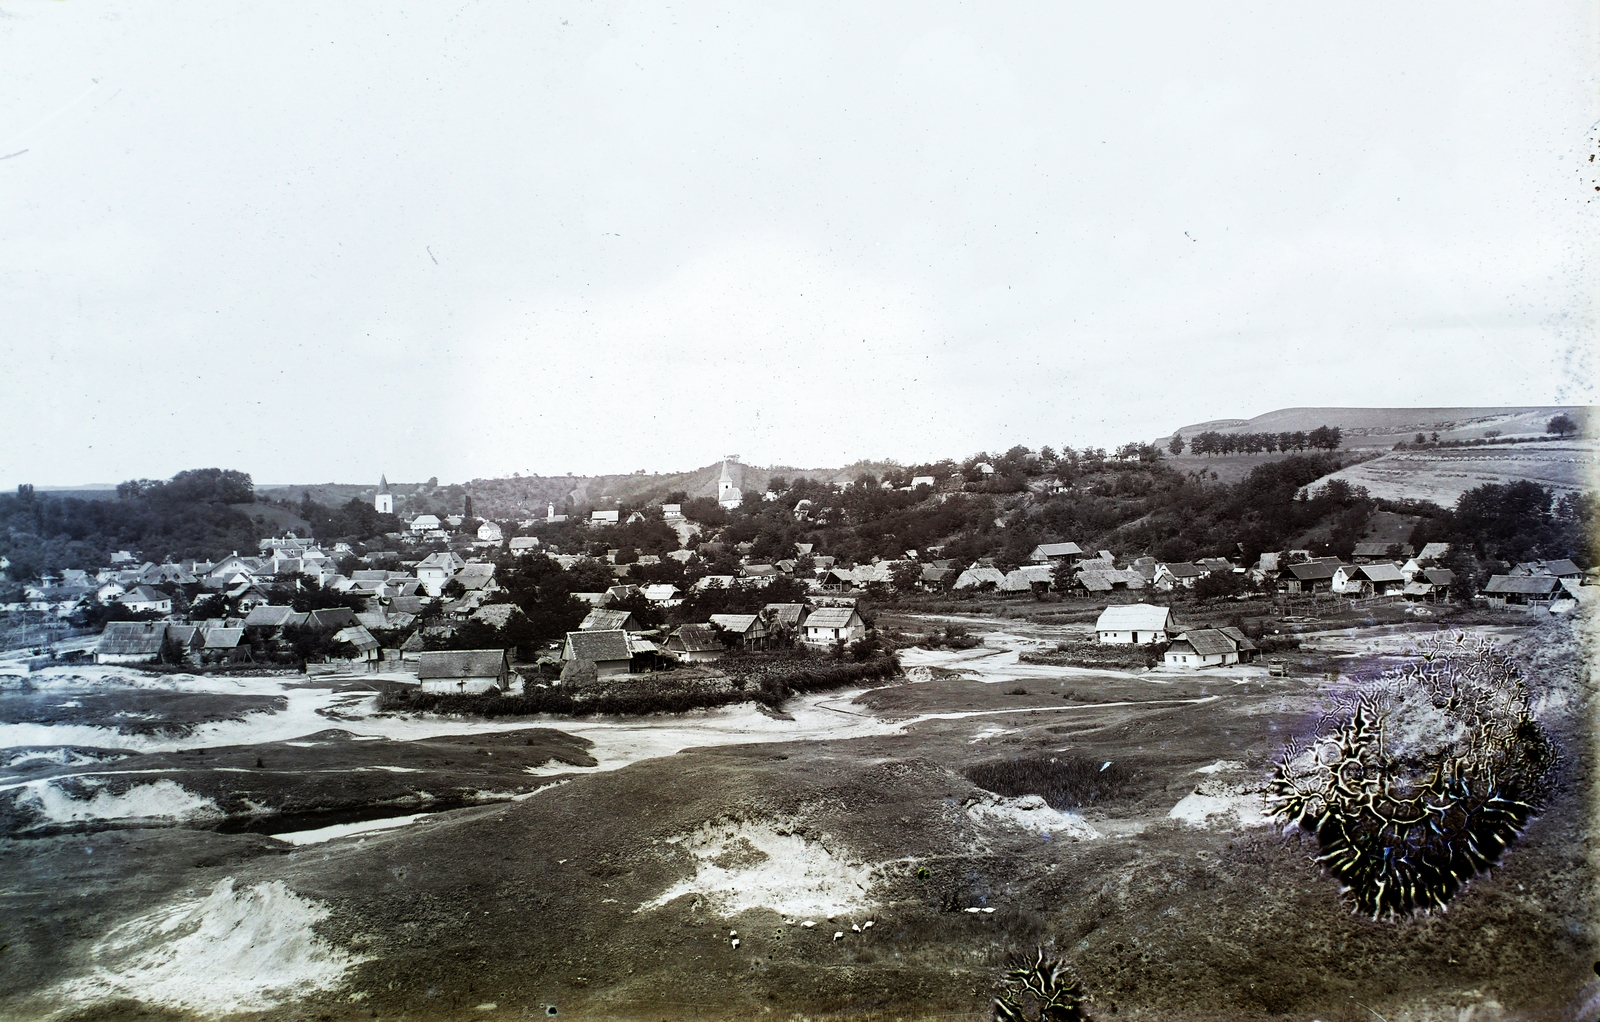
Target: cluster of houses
611 642
1142 623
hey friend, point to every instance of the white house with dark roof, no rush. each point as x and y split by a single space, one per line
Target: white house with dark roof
1136 623
1202 647
1046 553
464 671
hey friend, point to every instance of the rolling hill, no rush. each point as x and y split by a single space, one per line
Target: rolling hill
1385 427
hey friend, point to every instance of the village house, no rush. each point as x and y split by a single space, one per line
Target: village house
436 569
608 650
1047 553
1521 590
490 532
464 671
1311 576
602 620
130 642
424 524
1203 647
1135 623
143 599
828 625
604 517
672 512
1177 574
748 630
695 643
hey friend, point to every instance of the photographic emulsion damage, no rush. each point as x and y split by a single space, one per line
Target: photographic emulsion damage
1160 582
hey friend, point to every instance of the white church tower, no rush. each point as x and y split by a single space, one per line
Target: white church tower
728 493
383 503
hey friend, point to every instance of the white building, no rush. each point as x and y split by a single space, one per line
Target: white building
828 625
1134 623
489 532
383 503
728 493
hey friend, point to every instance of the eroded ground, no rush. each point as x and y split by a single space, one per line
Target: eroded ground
310 858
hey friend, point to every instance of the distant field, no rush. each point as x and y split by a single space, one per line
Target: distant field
1442 475
1368 427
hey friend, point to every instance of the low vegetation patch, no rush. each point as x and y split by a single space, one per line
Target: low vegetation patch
1088 653
1065 782
768 678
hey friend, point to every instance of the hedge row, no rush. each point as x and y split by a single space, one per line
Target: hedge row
1097 654
768 680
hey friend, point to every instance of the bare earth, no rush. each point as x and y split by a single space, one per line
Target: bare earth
432 868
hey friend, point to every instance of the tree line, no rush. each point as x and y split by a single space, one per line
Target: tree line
1323 438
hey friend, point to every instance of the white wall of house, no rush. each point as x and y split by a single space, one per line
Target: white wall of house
458 686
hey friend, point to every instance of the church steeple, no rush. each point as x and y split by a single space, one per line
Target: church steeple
383 503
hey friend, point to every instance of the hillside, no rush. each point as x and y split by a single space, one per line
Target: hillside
1441 475
1384 427
530 496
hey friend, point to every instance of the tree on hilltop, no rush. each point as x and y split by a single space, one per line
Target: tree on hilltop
1562 425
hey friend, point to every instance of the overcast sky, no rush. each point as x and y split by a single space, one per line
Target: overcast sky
318 242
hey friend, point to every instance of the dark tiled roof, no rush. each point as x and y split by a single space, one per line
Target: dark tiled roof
611 644
461 663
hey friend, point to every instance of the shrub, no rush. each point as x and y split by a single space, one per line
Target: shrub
1421 778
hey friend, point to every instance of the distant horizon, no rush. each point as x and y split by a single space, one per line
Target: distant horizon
1480 409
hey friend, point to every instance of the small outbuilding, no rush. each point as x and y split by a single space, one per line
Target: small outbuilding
608 650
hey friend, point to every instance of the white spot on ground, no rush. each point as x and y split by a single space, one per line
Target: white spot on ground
230 951
1245 809
164 799
742 865
1219 766
337 830
1030 813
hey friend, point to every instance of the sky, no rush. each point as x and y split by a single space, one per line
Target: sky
321 242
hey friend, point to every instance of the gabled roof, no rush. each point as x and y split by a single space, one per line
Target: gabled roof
143 594
758 570
1057 550
224 638
599 620
1527 585
1209 641
331 618
132 638
695 639
1382 573
357 636
267 616
659 592
1131 617
1094 581
1241 640
786 615
1315 571
832 617
599 646
1183 569
475 576
462 663
496 615
737 623
1439 576
1434 551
